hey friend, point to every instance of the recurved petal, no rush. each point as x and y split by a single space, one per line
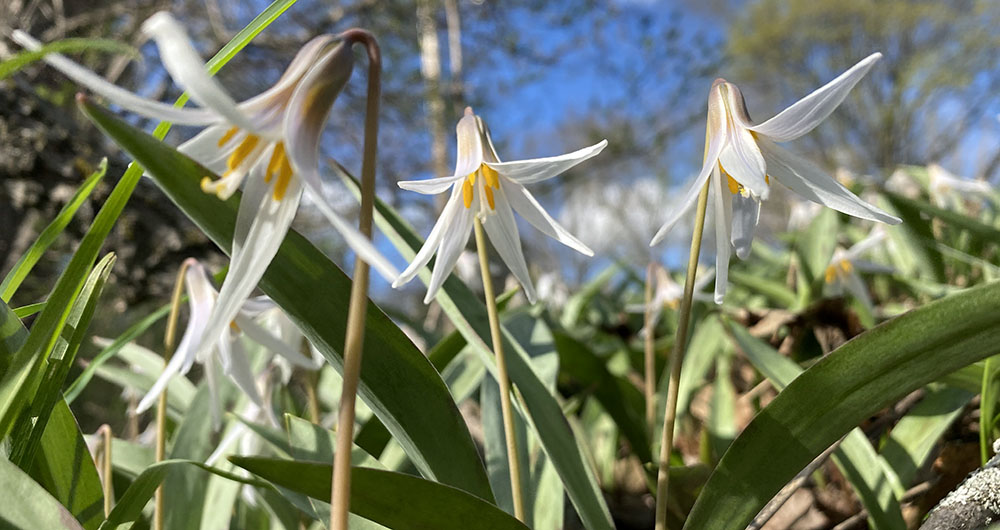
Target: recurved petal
811 182
716 141
264 236
275 345
433 240
172 369
201 300
303 61
116 94
469 155
360 244
239 370
528 207
746 212
723 222
805 114
430 186
539 169
502 230
188 70
453 241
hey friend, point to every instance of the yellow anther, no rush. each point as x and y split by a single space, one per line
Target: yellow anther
491 176
233 326
467 191
846 266
489 197
242 151
277 158
734 187
228 136
206 184
831 274
673 304
767 179
284 179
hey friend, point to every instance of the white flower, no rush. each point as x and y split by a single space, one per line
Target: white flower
484 186
948 190
271 141
742 157
668 293
202 301
842 272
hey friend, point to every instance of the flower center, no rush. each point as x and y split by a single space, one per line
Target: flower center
839 269
492 181
236 168
734 186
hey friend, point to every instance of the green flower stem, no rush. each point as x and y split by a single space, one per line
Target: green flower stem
650 353
510 435
670 414
340 494
169 343
104 434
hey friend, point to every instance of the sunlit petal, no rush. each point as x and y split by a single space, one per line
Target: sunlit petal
741 158
502 230
746 212
433 241
116 94
470 145
431 186
723 221
528 207
805 114
453 241
809 181
539 169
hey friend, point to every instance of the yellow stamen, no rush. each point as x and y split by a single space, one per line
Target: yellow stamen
467 190
277 159
228 136
234 327
284 179
767 179
831 274
734 187
489 197
242 151
673 304
491 175
846 266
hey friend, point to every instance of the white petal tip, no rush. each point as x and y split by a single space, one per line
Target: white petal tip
893 220
743 253
157 22
719 298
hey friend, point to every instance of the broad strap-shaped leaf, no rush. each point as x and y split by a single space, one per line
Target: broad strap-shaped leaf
397 381
544 412
839 392
395 500
27 506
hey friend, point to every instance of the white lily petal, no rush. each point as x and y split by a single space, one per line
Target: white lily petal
235 433
433 241
723 222
746 213
360 244
502 230
256 305
857 288
805 114
528 207
172 368
306 57
251 203
275 345
212 377
117 95
539 169
239 371
873 268
188 70
453 241
741 158
716 142
201 301
872 240
811 182
204 148
309 107
263 239
430 186
469 155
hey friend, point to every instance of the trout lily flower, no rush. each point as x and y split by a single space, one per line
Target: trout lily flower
483 185
842 272
270 141
742 158
228 347
949 191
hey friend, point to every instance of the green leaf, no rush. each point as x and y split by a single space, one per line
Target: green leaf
130 505
392 499
815 247
24 265
990 397
919 237
544 413
839 392
855 456
24 58
27 506
397 381
979 229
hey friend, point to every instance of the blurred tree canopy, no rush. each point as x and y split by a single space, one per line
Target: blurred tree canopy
936 85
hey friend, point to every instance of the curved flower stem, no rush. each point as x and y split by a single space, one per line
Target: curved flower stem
510 434
680 344
340 493
169 342
650 353
104 431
